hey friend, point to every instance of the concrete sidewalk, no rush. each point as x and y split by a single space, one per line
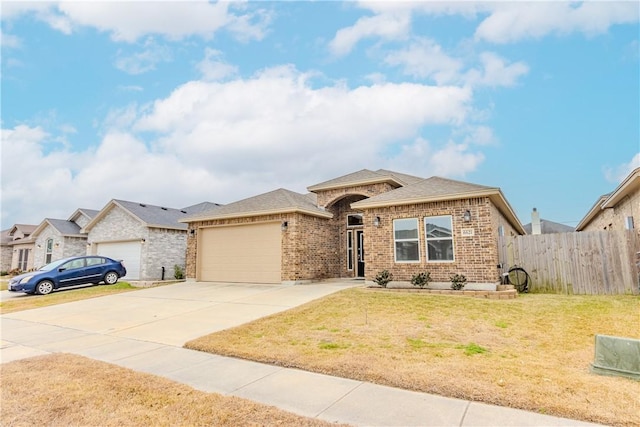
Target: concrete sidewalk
139 331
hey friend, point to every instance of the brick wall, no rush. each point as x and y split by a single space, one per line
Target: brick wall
6 255
476 256
614 218
40 249
164 248
117 225
328 197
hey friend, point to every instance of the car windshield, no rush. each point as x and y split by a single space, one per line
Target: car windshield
53 265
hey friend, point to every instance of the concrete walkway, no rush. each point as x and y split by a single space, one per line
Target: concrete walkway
145 331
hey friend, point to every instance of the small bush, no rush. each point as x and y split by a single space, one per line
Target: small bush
178 272
458 281
421 279
4 273
383 278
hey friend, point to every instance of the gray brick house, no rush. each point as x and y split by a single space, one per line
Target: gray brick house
147 238
354 226
16 248
59 238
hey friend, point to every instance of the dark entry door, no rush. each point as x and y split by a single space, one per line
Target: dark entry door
360 252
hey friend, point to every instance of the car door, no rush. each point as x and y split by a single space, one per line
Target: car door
95 269
71 273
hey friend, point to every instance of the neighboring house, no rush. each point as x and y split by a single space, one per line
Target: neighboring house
6 251
149 239
17 248
619 210
543 226
354 226
59 238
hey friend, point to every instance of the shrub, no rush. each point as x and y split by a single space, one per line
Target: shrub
458 281
4 273
421 279
383 278
178 272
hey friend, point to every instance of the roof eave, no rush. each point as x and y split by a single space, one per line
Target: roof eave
166 227
628 185
310 212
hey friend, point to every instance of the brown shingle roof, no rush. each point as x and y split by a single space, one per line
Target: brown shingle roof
366 176
434 188
277 201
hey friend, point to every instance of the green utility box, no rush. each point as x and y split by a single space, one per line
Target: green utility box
617 356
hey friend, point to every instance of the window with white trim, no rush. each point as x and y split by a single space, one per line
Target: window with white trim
354 220
49 251
439 236
349 250
406 240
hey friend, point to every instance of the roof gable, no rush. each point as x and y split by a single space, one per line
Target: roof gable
437 189
61 226
25 229
366 177
550 227
88 213
277 201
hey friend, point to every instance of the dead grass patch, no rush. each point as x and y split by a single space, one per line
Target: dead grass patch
63 389
532 353
26 301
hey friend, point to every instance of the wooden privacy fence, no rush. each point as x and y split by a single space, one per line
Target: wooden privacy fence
599 262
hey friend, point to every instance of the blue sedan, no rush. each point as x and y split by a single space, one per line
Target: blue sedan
69 272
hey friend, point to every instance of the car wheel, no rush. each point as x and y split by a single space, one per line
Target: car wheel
111 278
45 287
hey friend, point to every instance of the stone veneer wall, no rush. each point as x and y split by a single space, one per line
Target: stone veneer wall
74 246
164 248
6 255
614 218
41 246
476 257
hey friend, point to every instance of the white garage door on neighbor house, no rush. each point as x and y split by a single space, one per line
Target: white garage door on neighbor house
128 252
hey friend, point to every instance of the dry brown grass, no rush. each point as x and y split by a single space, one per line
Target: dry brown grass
26 302
63 390
532 353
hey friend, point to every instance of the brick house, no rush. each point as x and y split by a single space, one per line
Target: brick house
147 238
59 238
354 226
619 210
17 247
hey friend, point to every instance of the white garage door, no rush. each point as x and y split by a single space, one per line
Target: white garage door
128 252
245 254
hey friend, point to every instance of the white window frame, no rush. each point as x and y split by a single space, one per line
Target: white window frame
48 250
416 239
350 250
428 239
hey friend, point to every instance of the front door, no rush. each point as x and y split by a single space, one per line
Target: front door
360 253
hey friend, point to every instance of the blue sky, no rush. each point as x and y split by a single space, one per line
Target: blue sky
175 103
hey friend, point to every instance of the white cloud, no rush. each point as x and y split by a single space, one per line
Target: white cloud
144 60
513 21
168 18
496 72
213 68
424 159
222 141
617 174
390 26
9 40
424 58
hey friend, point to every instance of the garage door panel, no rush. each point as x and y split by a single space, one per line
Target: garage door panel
246 253
128 252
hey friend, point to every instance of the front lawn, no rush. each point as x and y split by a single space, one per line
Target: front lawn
532 353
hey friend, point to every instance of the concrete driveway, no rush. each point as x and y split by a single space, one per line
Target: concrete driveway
175 314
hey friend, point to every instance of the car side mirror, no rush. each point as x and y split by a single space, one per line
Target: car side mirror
61 269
